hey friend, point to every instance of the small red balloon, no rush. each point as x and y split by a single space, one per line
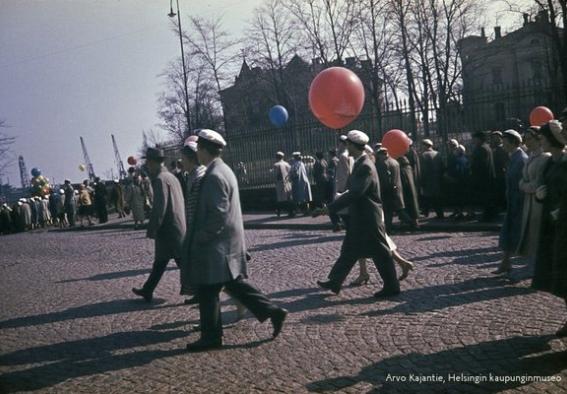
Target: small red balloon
132 160
540 116
336 97
397 142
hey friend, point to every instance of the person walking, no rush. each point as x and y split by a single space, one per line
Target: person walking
217 250
85 205
117 197
391 188
512 226
483 177
135 199
365 234
300 186
532 178
344 168
281 170
431 176
70 203
320 176
501 160
550 273
167 220
100 196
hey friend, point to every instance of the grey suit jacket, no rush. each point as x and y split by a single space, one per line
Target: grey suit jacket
167 220
217 249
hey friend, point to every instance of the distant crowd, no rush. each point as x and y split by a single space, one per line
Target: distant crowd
411 186
81 204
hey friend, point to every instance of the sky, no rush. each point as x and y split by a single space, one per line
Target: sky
90 68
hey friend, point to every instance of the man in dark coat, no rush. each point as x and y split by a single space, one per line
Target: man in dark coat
365 233
217 250
321 179
100 200
501 159
482 175
431 177
70 204
391 188
167 220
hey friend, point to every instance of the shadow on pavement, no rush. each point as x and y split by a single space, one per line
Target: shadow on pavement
296 242
438 297
508 357
116 275
323 319
458 253
86 357
85 311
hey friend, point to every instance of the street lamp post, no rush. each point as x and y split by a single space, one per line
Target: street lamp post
171 15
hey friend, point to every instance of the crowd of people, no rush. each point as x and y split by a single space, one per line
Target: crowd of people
195 214
471 184
79 205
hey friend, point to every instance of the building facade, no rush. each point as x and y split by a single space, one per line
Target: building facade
507 77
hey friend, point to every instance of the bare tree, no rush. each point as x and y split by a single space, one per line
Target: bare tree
211 43
400 10
272 43
326 24
557 10
374 41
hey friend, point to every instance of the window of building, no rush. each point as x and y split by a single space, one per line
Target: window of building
497 75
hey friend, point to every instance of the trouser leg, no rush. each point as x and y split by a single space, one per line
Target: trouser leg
342 268
157 272
210 313
252 298
384 263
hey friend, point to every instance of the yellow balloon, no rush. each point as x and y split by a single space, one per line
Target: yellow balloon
82 167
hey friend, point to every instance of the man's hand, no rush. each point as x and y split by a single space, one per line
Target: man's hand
541 192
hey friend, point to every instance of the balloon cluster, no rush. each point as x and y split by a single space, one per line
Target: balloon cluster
39 184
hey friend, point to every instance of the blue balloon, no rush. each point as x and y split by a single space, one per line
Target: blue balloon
278 115
35 171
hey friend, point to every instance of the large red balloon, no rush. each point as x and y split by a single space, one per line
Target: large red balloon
336 97
397 143
132 160
540 116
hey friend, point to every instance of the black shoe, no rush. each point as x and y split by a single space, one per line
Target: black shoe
386 293
191 301
142 293
330 285
204 344
278 319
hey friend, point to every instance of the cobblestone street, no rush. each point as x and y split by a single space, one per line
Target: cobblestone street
69 322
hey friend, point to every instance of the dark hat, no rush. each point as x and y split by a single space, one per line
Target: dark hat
481 135
154 154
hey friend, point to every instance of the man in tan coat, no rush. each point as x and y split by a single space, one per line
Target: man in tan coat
167 220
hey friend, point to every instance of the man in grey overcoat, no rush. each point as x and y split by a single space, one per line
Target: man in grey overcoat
167 220
365 233
217 252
